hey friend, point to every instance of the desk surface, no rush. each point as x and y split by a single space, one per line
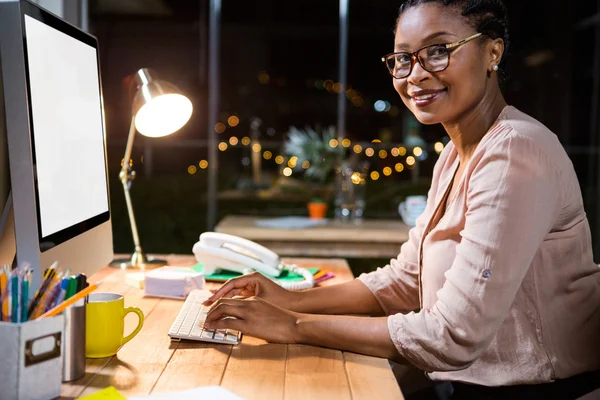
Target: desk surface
368 238
255 369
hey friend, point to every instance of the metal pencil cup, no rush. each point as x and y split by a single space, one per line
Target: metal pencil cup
73 345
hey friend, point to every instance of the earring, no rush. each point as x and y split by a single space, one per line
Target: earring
495 68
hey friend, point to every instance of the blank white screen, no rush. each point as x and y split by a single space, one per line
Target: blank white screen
67 127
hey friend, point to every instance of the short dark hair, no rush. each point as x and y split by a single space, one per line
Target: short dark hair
489 17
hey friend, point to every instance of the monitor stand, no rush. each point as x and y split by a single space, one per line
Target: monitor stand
8 245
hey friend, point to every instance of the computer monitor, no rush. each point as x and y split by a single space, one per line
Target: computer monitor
53 126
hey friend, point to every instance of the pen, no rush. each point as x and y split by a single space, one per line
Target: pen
325 277
72 288
53 297
47 279
64 284
81 281
58 309
2 291
14 281
25 295
46 298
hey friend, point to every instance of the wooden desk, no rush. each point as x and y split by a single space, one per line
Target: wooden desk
366 239
254 369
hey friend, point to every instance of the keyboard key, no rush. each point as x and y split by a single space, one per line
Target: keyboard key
219 335
207 334
231 338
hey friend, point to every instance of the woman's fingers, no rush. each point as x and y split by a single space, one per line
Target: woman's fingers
224 309
235 283
229 323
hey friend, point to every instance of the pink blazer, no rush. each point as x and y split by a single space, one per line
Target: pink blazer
506 285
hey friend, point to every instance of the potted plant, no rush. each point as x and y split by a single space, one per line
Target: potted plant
323 153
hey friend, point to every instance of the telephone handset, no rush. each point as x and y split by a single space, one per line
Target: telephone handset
232 253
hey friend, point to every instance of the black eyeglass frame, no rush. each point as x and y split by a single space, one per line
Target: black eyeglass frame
415 56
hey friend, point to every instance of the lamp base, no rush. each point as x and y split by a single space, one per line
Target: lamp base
147 264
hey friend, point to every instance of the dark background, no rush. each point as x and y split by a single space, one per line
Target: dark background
295 44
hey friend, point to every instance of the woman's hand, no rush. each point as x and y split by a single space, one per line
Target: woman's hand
254 284
255 317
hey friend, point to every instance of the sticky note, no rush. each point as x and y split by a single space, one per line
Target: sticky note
110 393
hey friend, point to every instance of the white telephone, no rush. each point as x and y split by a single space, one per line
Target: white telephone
222 251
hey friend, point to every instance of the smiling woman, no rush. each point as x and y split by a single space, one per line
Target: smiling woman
499 265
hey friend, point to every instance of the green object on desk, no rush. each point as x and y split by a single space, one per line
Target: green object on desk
224 275
72 288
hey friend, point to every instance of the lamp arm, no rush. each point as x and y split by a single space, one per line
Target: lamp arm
126 176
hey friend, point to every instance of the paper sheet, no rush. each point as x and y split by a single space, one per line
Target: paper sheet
204 393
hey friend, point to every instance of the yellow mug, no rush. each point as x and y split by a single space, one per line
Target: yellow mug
105 324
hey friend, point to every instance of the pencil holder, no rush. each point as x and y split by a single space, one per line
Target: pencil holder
73 345
31 359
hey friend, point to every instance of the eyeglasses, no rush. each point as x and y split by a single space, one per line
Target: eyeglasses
433 58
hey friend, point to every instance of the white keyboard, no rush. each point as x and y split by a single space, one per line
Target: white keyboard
189 324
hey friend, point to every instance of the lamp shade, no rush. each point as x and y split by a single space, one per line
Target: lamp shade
159 108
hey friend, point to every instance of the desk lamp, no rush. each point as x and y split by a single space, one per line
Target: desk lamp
159 109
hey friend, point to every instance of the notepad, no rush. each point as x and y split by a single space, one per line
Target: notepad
223 275
172 282
109 393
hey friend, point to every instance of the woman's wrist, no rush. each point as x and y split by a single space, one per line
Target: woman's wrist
300 333
293 301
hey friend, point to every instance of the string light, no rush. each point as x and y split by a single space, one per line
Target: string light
292 162
410 160
233 141
256 147
337 87
357 148
399 167
220 127
346 142
333 143
279 160
374 175
245 140
305 164
387 171
203 164
264 78
356 178
287 171
192 169
382 154
376 141
417 151
233 121
222 146
369 152
267 155
358 101
401 151
395 152
439 147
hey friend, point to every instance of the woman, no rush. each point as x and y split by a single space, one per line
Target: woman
500 263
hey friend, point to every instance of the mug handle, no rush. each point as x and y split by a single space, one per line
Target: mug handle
402 210
140 315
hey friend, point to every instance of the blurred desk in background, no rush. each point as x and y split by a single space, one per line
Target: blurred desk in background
370 238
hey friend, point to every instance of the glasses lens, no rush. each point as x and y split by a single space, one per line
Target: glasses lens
434 58
399 64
